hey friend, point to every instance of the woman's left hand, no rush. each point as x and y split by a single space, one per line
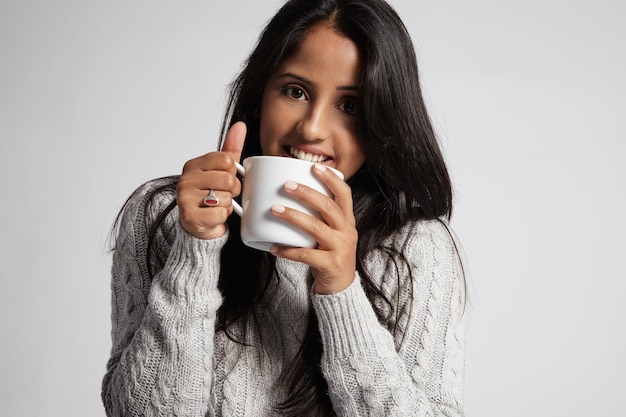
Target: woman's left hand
333 261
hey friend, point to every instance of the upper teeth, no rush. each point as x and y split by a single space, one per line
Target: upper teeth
297 153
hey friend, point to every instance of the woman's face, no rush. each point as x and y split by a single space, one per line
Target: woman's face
308 107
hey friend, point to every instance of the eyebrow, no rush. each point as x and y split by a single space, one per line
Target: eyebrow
308 82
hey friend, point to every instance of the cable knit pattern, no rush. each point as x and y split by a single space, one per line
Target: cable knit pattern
167 359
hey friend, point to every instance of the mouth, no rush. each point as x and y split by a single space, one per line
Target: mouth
307 156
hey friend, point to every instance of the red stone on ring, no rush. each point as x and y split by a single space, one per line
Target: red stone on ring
211 199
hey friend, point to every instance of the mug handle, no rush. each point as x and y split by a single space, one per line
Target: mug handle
236 206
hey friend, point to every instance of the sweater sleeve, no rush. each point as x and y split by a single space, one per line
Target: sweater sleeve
420 373
162 329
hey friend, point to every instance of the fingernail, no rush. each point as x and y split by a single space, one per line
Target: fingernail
277 208
291 185
320 167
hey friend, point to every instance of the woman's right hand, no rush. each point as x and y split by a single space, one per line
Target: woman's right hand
213 171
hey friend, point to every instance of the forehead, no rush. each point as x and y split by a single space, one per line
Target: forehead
325 52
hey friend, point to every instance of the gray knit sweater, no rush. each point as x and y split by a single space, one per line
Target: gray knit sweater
167 358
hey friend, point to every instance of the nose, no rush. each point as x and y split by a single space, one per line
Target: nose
315 124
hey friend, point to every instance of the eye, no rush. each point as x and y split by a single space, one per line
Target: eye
295 93
348 107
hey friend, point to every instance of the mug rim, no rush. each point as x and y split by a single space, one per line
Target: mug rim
288 158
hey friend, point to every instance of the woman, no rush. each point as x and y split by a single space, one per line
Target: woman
370 322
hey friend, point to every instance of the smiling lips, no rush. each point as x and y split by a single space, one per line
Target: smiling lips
306 156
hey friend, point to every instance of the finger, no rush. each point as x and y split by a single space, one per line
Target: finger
202 182
204 199
311 257
340 189
321 203
213 161
235 138
199 201
314 227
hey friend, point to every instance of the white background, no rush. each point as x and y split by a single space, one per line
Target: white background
528 98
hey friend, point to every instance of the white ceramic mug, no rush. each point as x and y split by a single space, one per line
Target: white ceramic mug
263 186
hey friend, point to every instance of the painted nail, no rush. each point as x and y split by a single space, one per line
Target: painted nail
291 185
320 167
277 208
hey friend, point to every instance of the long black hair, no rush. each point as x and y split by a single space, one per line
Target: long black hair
404 177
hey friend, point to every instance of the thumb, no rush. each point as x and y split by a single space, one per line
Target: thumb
235 138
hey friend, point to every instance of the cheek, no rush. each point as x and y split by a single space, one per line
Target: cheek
274 125
358 156
266 131
357 164
262 135
265 123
